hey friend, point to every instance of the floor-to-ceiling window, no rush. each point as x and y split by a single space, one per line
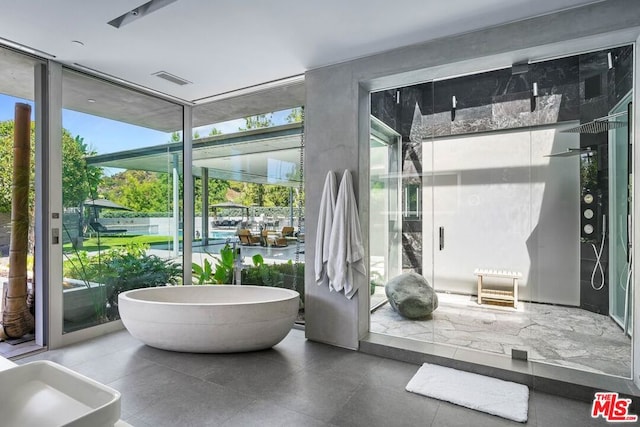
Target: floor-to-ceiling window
517 177
122 196
249 198
17 87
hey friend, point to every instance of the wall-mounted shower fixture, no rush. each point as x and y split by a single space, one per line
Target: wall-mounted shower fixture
454 104
598 254
534 95
599 125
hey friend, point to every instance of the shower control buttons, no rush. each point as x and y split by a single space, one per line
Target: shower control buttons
590 207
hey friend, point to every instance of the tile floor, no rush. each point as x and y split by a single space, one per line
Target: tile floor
297 383
565 336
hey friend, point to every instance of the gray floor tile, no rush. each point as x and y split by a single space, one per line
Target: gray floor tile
557 411
111 367
265 414
314 394
143 388
391 374
303 352
196 403
450 415
194 364
251 374
371 407
135 421
346 363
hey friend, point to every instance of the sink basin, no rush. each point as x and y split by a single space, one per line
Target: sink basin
44 393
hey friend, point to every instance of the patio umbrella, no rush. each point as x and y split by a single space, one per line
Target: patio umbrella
229 205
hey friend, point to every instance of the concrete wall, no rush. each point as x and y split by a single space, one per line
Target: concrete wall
337 118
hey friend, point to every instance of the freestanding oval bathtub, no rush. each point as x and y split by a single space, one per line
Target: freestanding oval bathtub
209 318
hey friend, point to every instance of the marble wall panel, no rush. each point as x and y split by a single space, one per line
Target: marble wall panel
412 252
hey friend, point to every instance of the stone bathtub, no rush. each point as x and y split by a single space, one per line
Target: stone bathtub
209 318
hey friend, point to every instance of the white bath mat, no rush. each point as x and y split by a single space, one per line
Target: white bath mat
491 395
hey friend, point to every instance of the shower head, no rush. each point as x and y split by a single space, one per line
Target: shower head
596 126
570 152
601 124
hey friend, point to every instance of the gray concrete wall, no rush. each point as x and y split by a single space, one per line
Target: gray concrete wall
337 114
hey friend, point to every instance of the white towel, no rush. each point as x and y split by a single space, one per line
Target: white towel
323 232
346 252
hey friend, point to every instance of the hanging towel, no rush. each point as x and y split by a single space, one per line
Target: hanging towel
346 252
323 232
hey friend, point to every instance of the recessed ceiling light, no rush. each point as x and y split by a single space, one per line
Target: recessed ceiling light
77 43
91 100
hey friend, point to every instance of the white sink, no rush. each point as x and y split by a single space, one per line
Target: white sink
46 394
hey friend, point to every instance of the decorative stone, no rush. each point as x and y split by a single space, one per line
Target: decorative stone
411 296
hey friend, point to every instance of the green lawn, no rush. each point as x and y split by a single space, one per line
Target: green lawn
112 242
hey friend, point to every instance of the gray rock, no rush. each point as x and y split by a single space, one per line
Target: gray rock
411 296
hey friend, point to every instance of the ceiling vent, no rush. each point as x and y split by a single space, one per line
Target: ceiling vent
171 78
139 12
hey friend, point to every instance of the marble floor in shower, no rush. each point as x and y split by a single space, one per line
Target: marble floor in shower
558 335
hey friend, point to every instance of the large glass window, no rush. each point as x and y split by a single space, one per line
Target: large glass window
508 193
249 199
122 196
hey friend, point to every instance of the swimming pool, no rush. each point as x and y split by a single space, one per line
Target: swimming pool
222 234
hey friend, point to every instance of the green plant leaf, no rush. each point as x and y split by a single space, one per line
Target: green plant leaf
207 268
227 256
258 260
196 269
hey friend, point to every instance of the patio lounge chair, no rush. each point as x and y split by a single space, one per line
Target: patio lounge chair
246 238
287 231
274 241
101 229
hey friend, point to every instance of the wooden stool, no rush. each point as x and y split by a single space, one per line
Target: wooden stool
496 294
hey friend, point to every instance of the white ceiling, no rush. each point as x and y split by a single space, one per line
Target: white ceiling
222 46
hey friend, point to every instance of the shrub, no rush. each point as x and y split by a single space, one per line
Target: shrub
122 269
289 276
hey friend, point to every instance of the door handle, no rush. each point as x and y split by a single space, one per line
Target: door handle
441 237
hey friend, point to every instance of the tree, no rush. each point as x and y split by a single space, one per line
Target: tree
276 195
196 135
215 132
79 180
141 191
295 116
175 137
255 122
